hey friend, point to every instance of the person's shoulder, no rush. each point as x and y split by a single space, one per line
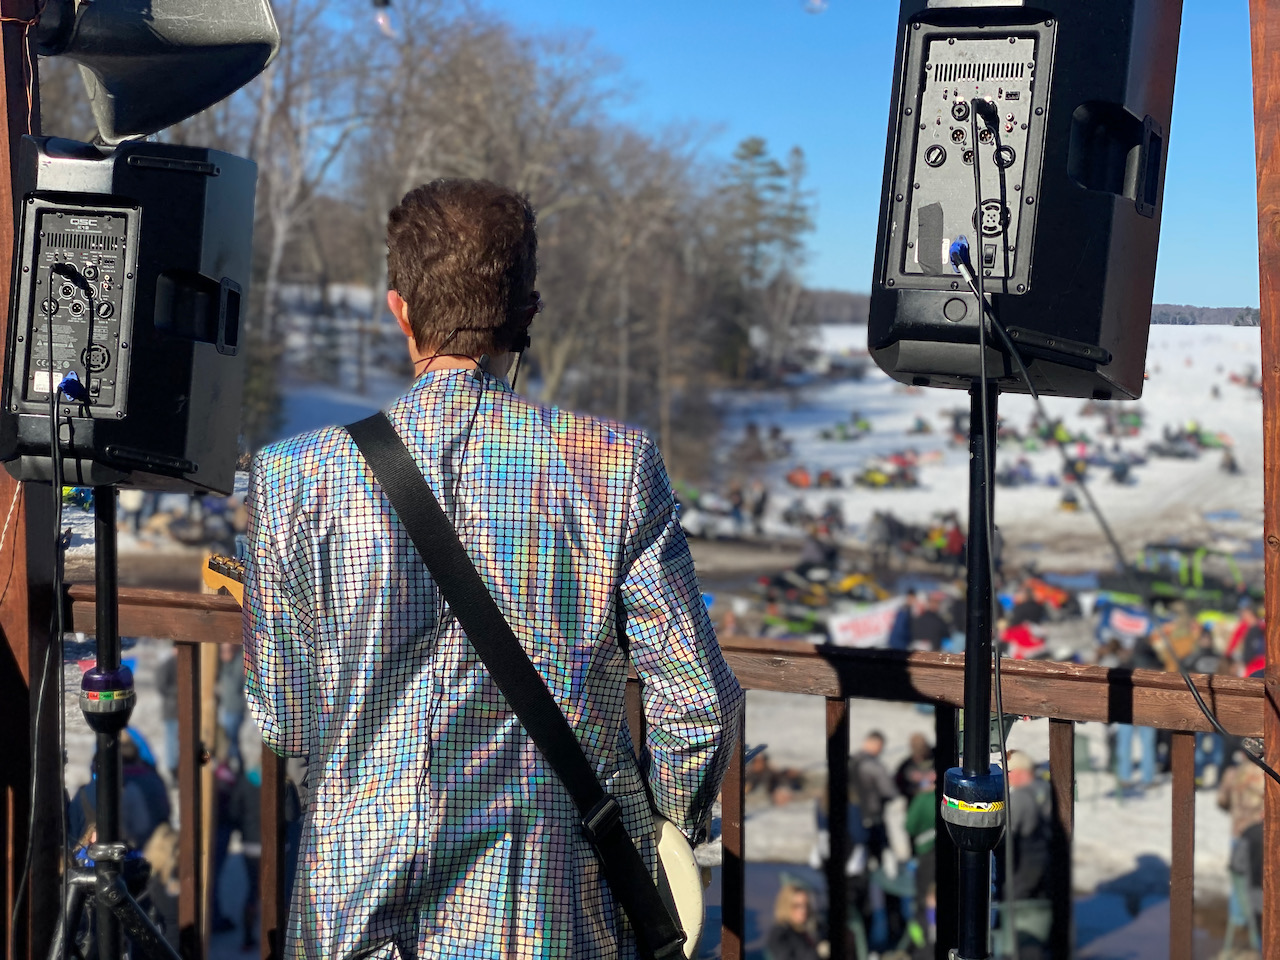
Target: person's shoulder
582 437
302 453
568 423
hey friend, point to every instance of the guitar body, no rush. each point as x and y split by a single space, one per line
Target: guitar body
680 879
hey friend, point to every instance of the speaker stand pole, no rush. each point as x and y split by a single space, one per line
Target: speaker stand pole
107 698
973 793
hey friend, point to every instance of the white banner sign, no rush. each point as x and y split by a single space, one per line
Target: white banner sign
868 627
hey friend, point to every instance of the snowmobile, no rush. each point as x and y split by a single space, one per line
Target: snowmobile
1204 578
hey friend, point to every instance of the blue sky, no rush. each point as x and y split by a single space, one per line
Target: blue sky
768 68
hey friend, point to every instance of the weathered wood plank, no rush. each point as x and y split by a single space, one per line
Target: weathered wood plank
275 910
1183 852
1062 773
1043 689
838 824
190 617
26 579
733 873
191 896
1264 23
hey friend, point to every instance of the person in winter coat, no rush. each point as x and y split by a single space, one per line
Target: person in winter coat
794 935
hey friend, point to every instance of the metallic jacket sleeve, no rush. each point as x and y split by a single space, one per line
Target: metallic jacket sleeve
691 698
278 662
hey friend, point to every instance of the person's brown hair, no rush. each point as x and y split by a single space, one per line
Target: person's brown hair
463 255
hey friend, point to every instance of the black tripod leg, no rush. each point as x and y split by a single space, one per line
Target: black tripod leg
79 887
137 925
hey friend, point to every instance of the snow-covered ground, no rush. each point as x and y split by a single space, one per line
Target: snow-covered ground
1189 499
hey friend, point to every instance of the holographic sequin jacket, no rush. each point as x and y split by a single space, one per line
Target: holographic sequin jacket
435 828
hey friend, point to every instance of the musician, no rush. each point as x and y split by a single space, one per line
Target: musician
435 828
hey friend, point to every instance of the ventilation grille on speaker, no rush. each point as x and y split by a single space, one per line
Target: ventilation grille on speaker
81 241
979 71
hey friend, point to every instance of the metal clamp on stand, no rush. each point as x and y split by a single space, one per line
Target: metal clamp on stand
974 811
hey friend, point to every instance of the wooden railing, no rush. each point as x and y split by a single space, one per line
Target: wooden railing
1065 693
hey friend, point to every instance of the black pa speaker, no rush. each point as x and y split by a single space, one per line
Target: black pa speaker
129 286
1077 96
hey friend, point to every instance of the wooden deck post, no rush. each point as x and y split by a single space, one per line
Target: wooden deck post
25 585
1264 16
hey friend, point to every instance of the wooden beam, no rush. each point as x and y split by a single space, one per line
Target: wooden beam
1182 877
733 860
1264 23
192 758
275 909
838 826
1062 779
1066 691
189 617
25 580
1033 688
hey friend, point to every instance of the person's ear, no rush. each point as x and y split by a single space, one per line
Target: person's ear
400 310
535 306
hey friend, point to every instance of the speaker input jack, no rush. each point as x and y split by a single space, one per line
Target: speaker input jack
985 135
960 110
76 308
957 135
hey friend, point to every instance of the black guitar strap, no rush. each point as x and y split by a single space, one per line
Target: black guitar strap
657 933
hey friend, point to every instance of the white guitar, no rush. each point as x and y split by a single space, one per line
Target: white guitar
680 879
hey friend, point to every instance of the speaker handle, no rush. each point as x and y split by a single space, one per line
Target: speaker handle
229 297
1147 188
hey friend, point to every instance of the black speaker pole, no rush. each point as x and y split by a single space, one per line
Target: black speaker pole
973 793
106 699
119 682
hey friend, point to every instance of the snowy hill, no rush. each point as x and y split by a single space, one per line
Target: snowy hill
1171 498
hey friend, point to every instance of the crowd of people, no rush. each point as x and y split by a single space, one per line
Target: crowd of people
892 901
1182 643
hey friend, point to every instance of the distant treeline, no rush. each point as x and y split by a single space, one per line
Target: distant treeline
840 306
1222 316
668 271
